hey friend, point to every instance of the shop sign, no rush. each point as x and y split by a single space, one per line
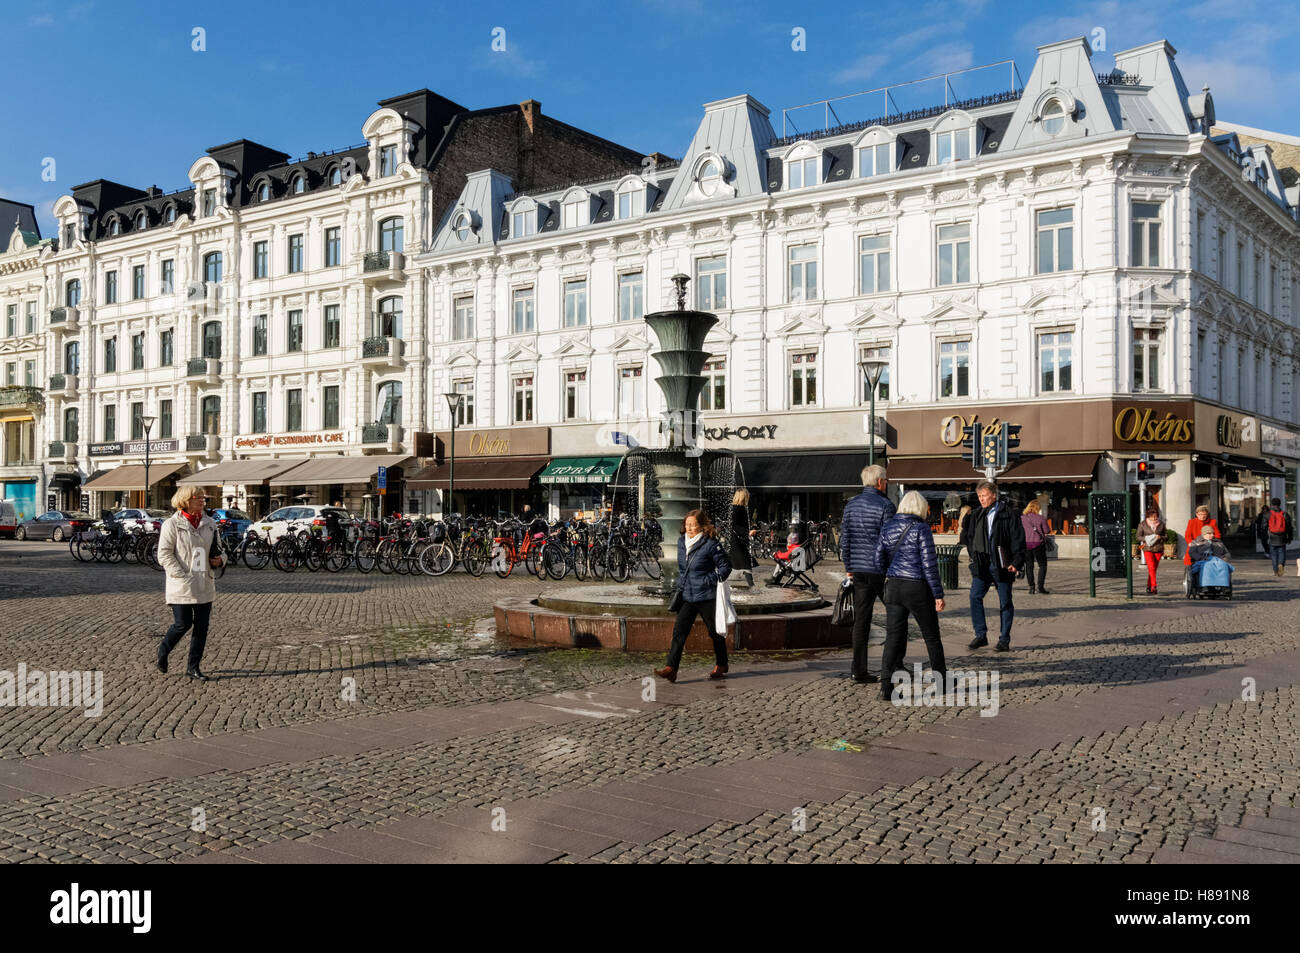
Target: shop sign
1228 432
1283 443
743 432
289 440
132 448
507 442
1145 425
951 428
1222 431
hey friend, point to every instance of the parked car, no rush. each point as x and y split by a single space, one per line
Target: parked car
295 519
148 520
227 517
8 518
57 525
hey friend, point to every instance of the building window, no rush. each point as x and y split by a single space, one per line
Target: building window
29 373
573 216
333 247
388 320
331 337
115 227
70 425
1145 236
709 178
521 314
11 374
110 423
390 235
165 356
335 176
876 160
1241 270
873 264
954 254
1200 242
631 202
1055 361
1146 359
631 392
464 409
264 192
575 395
110 287
72 293
876 352
387 160
711 283
259 260
1272 292
953 146
575 303
521 224
209 202
11 320
212 266
293 410
954 368
137 351
71 357
803 378
523 391
167 273
463 226
212 339
137 282
110 355
801 262
330 404
1221 275
1257 285
137 421
294 342
298 185
1200 364
259 411
295 254
69 236
164 419
31 311
211 414
1053 117
1241 367
169 214
462 322
141 221
631 296
803 173
390 403
259 335
714 394
1055 240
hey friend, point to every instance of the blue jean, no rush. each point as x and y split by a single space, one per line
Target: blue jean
1278 555
979 587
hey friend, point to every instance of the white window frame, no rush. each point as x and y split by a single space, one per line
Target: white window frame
797 362
462 318
805 164
630 201
715 372
956 366
569 290
1054 346
801 272
575 379
1056 232
1140 248
1140 340
875 350
869 158
635 374
712 301
951 142
881 263
940 241
523 394
525 323
465 408
631 295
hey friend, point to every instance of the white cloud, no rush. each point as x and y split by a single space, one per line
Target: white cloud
862 70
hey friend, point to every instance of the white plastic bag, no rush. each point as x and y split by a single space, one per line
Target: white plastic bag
726 612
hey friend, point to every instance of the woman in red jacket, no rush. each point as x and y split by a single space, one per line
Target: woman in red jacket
1194 525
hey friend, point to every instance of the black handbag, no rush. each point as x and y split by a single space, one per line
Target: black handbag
676 604
842 613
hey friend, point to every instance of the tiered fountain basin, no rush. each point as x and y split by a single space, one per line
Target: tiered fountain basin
623 617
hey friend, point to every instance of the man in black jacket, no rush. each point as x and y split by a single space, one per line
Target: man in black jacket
995 539
864 515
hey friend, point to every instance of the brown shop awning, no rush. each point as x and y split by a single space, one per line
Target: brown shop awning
514 473
130 476
1064 467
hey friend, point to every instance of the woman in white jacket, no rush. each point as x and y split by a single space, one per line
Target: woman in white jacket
185 548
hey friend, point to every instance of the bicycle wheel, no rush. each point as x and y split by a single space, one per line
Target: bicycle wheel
650 562
255 552
75 546
438 559
313 555
285 554
579 560
387 555
476 557
337 557
553 562
113 550
129 554
533 560
404 564
504 560
596 561
151 554
363 554
617 563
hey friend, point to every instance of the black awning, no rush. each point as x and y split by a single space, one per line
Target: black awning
827 471
1254 464
65 479
1058 467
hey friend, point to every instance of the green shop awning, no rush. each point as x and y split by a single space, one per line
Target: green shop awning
580 470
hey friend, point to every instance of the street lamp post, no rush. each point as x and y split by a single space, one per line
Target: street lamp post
148 422
872 370
454 400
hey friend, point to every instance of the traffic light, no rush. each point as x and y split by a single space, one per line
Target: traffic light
1013 438
970 441
1144 467
993 452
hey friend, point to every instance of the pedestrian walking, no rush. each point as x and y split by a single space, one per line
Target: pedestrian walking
1194 527
905 550
1036 534
1280 531
995 540
864 516
701 565
187 553
741 561
1151 541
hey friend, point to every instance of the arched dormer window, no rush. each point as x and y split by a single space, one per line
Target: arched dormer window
463 225
298 184
169 213
1055 111
954 138
803 167
141 220
631 197
114 226
576 209
264 191
876 153
525 218
335 176
709 178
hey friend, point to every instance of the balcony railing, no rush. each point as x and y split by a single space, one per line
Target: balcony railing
58 315
197 441
376 347
376 261
197 367
374 433
57 449
16 395
58 382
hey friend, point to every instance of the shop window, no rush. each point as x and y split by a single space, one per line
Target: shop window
876 352
1146 359
631 392
801 263
631 296
1055 361
711 283
953 254
521 315
523 392
1055 240
1144 239
873 264
803 379
954 368
714 394
575 395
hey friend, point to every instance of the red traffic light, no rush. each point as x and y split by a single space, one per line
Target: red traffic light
1144 470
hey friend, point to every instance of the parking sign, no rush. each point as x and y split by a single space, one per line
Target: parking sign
383 478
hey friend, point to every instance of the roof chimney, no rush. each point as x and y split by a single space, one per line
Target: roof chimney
532 111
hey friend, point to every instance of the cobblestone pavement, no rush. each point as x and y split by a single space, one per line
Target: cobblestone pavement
1123 733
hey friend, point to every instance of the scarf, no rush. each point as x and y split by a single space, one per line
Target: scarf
194 520
692 540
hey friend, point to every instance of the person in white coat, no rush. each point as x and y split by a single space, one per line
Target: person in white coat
185 550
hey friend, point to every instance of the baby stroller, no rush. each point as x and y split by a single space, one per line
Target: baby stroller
796 561
1209 576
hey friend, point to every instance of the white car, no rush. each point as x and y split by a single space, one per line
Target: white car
148 521
295 519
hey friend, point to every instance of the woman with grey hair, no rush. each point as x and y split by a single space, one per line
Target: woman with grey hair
912 587
188 554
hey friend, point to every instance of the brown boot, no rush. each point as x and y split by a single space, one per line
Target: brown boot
667 672
719 671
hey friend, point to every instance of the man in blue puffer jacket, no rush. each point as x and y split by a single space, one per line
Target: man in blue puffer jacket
864 515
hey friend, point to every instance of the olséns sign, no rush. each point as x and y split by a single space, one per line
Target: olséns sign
1148 425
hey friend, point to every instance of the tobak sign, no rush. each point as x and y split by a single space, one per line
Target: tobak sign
1148 425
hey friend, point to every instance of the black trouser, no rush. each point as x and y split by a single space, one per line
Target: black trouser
682 628
867 588
904 597
184 617
1037 555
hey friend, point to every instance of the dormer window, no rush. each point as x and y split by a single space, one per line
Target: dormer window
876 159
69 235
1053 117
169 214
631 200
115 227
524 218
298 185
335 176
387 160
141 221
209 202
463 226
576 210
264 192
803 171
710 177
954 146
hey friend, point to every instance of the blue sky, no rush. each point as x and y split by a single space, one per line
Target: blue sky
114 89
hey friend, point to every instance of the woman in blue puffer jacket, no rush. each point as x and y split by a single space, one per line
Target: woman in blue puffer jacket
912 587
702 564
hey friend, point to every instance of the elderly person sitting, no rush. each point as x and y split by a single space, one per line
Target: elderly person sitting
1203 549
